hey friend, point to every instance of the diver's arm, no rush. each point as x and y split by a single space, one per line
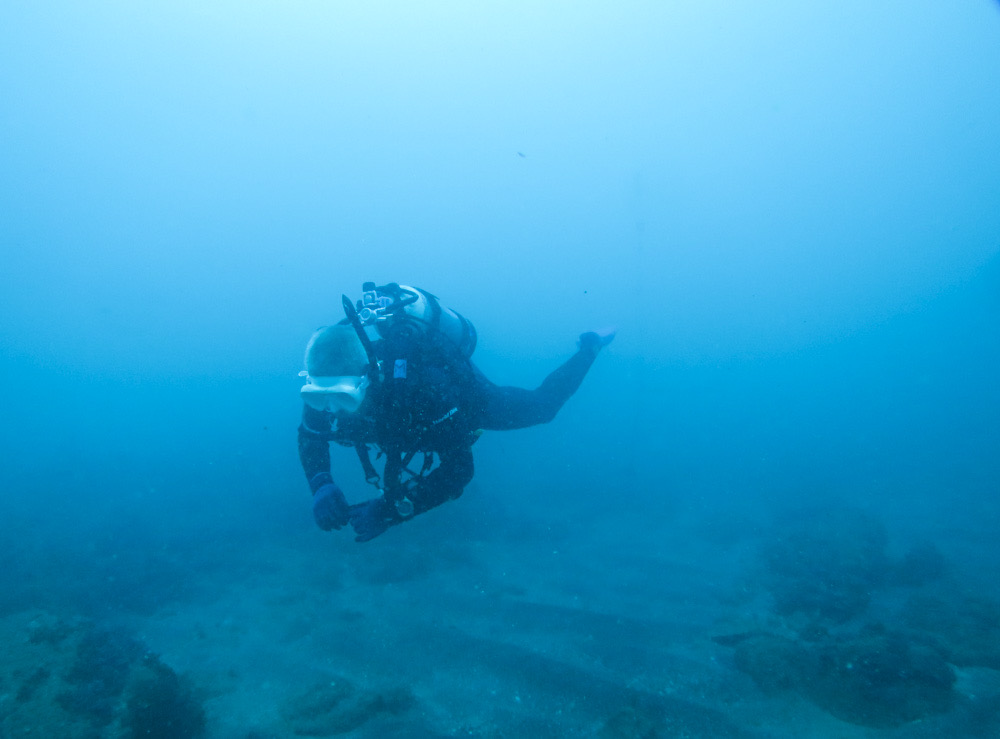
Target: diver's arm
330 507
503 408
314 447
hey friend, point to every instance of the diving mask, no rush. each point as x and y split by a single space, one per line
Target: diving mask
333 394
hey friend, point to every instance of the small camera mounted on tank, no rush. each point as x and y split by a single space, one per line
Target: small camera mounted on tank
395 307
373 306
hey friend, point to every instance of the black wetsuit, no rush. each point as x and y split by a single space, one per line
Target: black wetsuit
434 401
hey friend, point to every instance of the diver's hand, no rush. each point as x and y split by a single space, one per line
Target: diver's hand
596 340
330 507
371 518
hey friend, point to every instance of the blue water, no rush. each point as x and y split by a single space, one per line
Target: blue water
788 211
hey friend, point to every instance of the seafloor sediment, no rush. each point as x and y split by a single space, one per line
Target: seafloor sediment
810 626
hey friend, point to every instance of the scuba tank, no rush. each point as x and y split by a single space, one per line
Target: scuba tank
397 308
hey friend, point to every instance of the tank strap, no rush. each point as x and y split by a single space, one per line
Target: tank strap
435 305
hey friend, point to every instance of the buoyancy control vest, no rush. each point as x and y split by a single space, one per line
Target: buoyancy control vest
422 378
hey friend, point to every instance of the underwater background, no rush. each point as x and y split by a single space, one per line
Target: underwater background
771 509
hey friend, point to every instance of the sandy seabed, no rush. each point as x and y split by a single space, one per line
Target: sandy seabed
425 633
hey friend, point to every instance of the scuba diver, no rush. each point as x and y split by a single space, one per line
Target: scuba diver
396 375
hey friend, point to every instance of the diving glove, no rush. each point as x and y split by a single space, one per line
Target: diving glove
372 518
594 341
330 507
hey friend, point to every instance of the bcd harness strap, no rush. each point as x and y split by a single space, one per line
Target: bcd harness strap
396 464
371 476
